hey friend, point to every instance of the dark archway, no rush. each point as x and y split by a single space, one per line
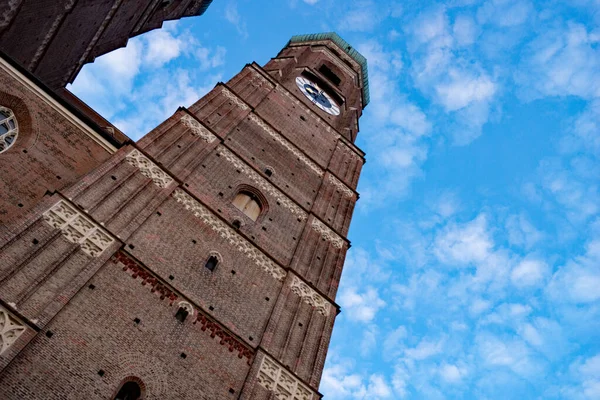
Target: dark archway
129 391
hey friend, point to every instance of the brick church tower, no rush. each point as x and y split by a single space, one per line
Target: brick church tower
201 262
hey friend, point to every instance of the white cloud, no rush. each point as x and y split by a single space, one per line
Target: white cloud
232 15
505 13
378 387
393 344
579 279
162 47
464 244
452 79
341 384
462 90
507 352
529 272
464 30
452 373
135 89
369 340
425 349
562 62
360 307
362 15
521 231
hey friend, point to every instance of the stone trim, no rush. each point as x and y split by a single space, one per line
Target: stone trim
197 129
206 323
10 329
285 143
272 376
327 234
77 228
263 184
341 186
229 234
233 97
309 296
148 168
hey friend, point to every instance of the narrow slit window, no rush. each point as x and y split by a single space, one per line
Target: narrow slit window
211 263
249 204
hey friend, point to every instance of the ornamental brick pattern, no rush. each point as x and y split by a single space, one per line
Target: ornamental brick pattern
142 268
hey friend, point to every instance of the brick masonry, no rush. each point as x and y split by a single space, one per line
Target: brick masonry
99 268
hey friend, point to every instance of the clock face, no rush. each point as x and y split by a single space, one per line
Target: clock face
317 96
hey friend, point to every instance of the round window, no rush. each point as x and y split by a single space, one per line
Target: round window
8 128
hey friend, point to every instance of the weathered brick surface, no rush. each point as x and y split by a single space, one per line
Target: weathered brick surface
346 164
167 203
335 204
252 85
49 153
221 110
266 149
319 261
177 244
216 183
175 146
96 331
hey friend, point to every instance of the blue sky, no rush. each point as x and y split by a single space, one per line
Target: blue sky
475 266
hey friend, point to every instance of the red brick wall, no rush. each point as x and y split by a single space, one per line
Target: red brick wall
96 331
168 210
50 153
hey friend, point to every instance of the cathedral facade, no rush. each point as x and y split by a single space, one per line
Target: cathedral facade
201 262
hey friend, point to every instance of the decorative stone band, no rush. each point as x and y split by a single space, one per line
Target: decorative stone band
77 228
264 184
327 234
341 186
285 143
309 296
197 129
148 168
230 235
231 96
286 386
226 339
10 329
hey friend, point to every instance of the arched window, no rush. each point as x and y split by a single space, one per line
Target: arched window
211 263
8 128
248 203
129 391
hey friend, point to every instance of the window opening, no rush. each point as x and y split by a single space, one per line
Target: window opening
9 128
329 74
211 263
129 391
181 314
248 203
